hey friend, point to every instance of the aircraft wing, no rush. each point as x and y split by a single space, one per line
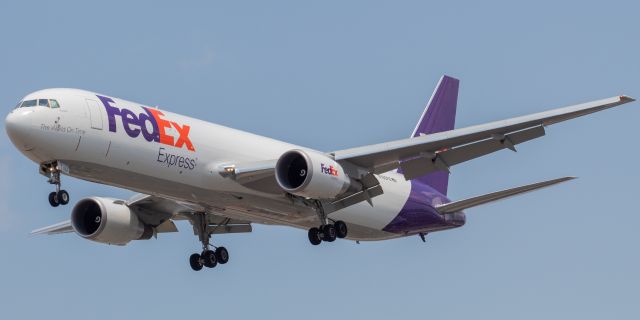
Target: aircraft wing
156 211
151 210
421 155
161 213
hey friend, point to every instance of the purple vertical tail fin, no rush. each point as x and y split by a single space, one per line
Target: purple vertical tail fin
439 115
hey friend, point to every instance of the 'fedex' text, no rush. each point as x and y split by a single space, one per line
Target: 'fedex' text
330 170
134 125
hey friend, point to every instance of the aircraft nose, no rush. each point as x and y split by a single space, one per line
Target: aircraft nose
18 125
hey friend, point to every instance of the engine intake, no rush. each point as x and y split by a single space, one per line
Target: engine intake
312 175
107 220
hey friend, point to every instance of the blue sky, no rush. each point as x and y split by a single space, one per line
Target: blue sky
332 75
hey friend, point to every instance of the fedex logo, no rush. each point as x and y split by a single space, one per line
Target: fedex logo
150 124
330 170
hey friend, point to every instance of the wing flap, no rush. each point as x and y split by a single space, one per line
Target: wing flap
154 210
442 160
495 196
167 226
222 229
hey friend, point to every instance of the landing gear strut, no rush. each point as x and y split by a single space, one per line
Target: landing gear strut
207 258
326 231
58 197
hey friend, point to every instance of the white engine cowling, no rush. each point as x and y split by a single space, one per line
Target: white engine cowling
311 174
107 220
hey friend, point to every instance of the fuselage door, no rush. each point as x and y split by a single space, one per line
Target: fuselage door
94 114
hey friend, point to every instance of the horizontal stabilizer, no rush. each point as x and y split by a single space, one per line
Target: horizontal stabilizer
495 196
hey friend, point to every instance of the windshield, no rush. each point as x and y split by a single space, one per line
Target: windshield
29 103
49 103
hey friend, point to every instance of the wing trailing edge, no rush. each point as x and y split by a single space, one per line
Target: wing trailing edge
460 205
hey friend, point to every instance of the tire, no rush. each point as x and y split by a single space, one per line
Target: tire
314 236
63 197
329 233
209 259
195 262
53 199
341 229
222 255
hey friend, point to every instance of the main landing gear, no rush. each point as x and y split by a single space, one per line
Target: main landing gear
58 197
327 231
207 258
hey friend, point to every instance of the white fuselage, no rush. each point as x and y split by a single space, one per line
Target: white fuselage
113 148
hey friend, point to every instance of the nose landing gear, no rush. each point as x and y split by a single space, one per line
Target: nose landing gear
58 197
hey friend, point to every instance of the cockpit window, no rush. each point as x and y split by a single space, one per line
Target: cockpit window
18 105
49 103
29 103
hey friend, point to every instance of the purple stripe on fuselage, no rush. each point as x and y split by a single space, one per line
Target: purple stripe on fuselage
419 214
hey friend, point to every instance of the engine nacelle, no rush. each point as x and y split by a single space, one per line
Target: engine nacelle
311 174
107 220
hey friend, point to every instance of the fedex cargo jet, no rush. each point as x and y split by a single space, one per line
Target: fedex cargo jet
223 180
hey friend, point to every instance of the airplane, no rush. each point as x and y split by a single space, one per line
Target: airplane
223 180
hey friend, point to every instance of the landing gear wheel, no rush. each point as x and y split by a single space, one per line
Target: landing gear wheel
195 262
329 233
63 197
203 228
53 199
314 236
222 255
341 229
209 259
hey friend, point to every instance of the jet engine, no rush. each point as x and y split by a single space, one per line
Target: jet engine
108 221
312 175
